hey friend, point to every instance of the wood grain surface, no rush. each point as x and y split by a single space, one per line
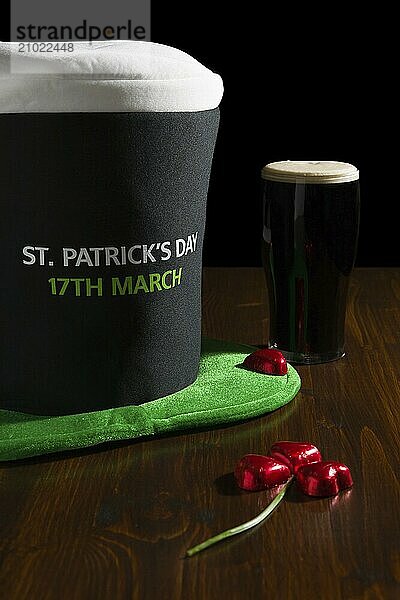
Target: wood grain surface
115 522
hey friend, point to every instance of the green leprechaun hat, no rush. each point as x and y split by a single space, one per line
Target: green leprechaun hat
104 184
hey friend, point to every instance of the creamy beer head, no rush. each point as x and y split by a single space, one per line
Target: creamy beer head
304 171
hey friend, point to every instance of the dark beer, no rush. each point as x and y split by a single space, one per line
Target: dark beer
309 245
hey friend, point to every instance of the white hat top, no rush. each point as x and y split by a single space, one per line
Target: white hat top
115 76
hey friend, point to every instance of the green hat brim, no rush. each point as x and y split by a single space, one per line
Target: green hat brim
224 392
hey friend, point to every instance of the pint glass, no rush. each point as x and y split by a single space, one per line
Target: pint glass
311 220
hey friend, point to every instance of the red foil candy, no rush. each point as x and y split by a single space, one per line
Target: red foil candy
326 478
255 472
295 454
267 361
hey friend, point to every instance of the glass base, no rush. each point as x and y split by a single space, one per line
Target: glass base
300 358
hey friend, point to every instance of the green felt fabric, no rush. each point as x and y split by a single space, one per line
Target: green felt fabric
223 393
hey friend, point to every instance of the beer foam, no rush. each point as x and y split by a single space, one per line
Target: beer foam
303 171
117 76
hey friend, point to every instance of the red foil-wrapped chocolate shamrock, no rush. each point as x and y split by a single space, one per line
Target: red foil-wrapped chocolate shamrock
303 460
287 460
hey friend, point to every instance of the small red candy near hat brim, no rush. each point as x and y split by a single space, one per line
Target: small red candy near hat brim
256 472
295 454
325 478
267 361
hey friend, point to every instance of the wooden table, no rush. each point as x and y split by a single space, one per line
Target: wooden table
115 522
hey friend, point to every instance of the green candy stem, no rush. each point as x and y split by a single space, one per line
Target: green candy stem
244 526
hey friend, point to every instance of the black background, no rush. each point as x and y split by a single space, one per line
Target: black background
302 82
